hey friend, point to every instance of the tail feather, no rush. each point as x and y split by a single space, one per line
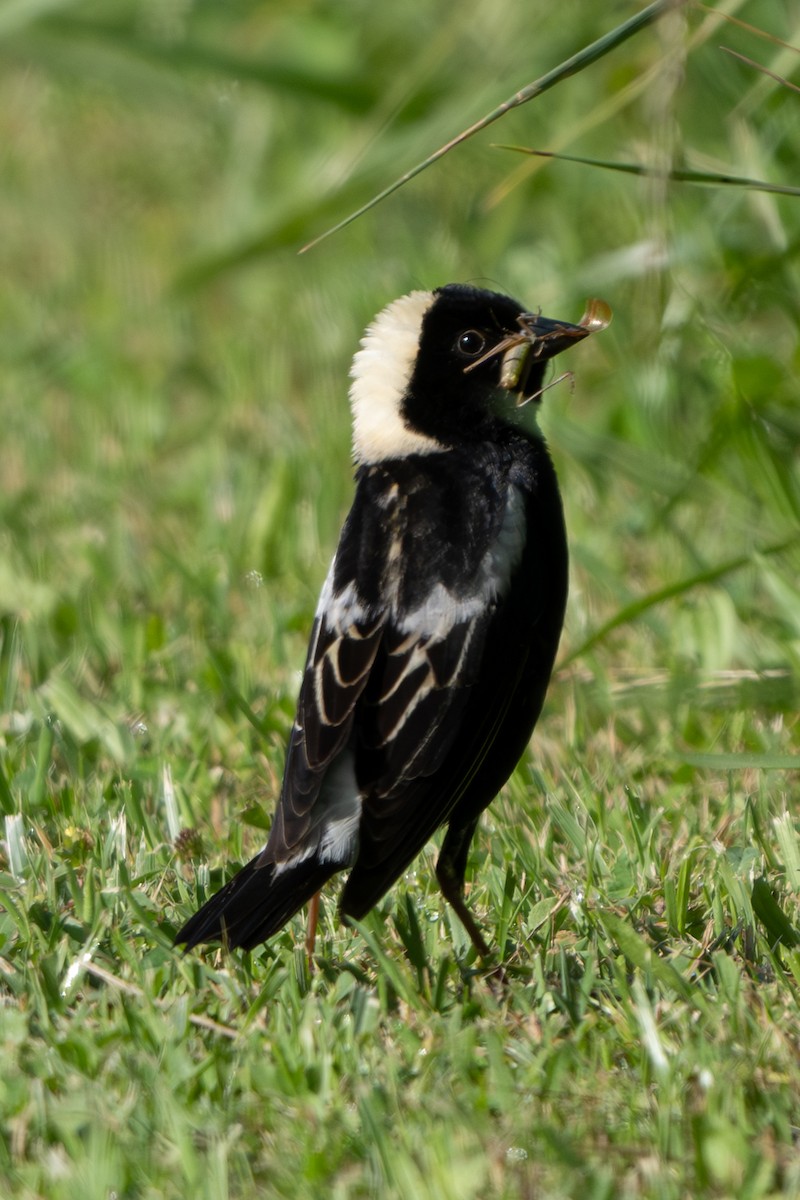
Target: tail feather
255 904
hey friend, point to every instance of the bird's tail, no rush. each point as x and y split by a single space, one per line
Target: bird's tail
255 904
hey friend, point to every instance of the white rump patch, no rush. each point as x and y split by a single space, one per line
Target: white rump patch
381 372
337 815
339 807
339 841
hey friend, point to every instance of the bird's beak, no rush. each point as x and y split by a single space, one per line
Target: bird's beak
541 338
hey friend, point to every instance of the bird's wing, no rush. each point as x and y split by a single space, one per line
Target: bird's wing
395 653
319 785
378 709
463 543
421 743
425 670
448 672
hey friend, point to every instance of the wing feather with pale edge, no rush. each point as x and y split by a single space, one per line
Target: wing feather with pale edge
386 680
341 655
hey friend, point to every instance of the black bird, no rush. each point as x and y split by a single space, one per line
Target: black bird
438 623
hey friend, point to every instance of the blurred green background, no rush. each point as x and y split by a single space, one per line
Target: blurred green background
175 469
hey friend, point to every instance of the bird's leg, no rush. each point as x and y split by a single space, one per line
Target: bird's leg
450 871
451 890
311 929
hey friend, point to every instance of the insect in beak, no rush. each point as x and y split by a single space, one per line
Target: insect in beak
539 339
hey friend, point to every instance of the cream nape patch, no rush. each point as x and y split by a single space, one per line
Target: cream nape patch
381 372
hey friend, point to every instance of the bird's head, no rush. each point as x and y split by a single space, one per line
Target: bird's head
432 366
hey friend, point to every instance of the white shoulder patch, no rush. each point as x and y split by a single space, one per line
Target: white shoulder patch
380 373
340 610
441 611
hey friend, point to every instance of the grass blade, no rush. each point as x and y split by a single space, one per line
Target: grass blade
675 174
743 762
773 918
789 847
631 612
759 67
15 845
571 66
638 952
740 24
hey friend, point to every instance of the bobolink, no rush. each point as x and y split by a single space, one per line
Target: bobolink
438 623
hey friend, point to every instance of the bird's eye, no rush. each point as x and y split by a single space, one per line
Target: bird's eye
471 342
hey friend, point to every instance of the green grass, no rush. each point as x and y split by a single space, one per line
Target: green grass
175 468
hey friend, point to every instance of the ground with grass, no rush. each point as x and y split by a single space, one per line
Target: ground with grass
175 468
